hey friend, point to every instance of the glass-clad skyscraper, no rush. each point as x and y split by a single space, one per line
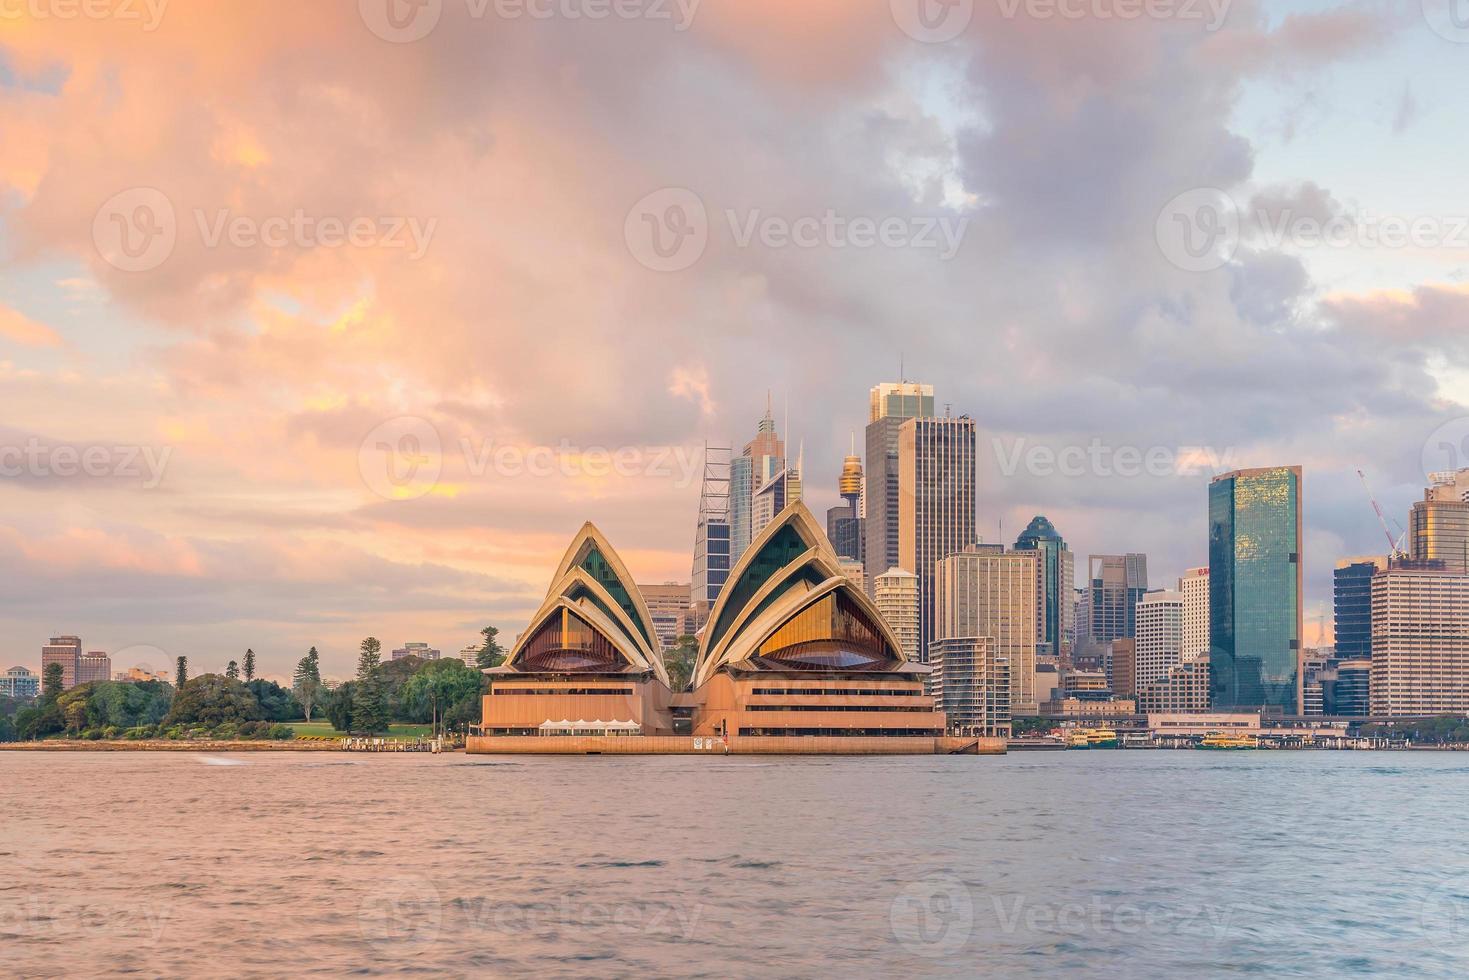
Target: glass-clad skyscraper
1255 590
1058 582
1352 604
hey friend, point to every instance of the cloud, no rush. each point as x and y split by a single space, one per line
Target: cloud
21 329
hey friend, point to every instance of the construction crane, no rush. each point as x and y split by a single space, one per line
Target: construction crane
1396 546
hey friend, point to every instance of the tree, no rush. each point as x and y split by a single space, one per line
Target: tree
339 706
369 701
436 689
307 681
181 674
51 680
232 671
276 703
249 665
680 659
211 700
491 654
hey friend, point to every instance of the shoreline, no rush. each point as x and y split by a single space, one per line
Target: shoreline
167 745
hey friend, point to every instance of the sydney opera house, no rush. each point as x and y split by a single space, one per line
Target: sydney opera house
794 658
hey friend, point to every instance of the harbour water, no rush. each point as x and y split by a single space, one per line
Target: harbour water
1118 864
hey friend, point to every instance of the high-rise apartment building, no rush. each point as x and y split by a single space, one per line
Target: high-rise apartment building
668 605
762 459
1195 588
1159 635
1439 523
937 509
988 592
895 593
892 404
66 651
1255 595
971 686
420 650
1115 584
20 682
1420 641
93 666
1352 606
1057 570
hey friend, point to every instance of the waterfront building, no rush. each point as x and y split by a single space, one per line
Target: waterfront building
1420 641
1195 588
1115 584
937 511
762 459
891 404
1347 690
93 666
66 651
669 606
1085 685
590 652
971 686
711 536
1255 594
1088 710
420 650
1056 630
1183 690
896 596
20 682
1159 635
1352 606
985 591
1439 523
792 648
1122 668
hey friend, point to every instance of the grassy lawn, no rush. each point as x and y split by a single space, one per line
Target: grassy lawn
324 729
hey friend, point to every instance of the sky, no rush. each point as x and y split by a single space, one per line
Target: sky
320 321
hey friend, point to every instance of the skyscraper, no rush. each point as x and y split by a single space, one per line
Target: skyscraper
936 505
1439 523
1116 583
1420 641
93 666
1352 606
773 496
1159 635
711 535
988 592
896 595
1057 587
1255 600
1195 588
66 651
892 404
758 463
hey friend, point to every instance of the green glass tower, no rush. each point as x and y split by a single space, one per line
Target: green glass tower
1255 611
1058 581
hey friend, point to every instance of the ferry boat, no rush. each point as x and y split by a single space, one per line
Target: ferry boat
1219 740
1079 740
1092 738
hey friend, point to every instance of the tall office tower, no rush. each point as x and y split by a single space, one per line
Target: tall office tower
94 666
971 686
1255 595
777 493
1057 570
895 592
1439 524
1122 667
758 463
711 535
668 604
891 405
986 591
937 510
1116 583
1195 589
1352 606
1159 635
1420 641
844 523
66 651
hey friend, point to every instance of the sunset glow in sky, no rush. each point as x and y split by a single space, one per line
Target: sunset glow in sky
244 246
